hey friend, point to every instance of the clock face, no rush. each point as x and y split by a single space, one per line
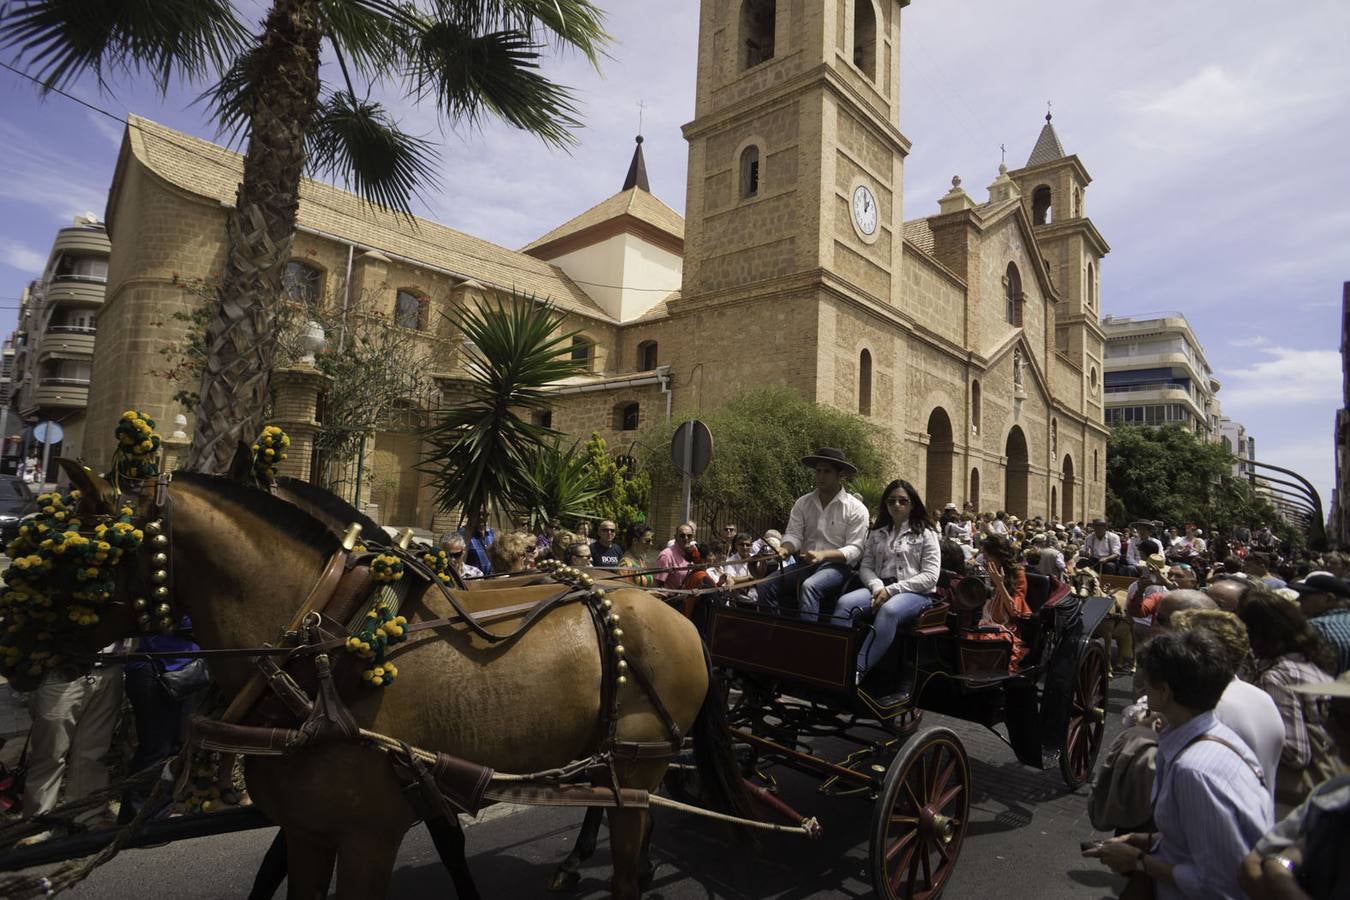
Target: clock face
865 210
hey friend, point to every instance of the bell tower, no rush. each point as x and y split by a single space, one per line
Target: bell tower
795 154
1053 185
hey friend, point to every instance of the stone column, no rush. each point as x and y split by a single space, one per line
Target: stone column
295 401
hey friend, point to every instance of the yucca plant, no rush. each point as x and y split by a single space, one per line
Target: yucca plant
469 58
484 449
564 486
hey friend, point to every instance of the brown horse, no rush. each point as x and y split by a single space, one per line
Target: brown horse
243 559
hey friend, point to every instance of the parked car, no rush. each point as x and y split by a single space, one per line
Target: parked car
16 501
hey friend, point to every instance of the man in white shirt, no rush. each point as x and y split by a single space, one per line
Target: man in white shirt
1101 549
1134 560
826 528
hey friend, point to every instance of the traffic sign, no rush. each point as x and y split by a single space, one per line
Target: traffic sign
48 433
691 448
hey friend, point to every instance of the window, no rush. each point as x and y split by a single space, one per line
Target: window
1092 380
82 268
646 352
974 498
750 172
1091 286
302 283
758 20
865 37
1041 213
626 417
410 310
865 383
544 418
975 405
1062 339
1012 295
581 351
1077 202
1054 439
1095 476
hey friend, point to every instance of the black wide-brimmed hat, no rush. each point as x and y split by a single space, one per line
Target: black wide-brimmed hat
831 456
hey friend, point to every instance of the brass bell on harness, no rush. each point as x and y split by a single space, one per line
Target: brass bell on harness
160 559
159 576
160 540
618 650
163 610
161 593
618 633
154 527
139 604
622 664
166 626
143 620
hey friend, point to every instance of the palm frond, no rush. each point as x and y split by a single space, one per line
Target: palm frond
59 40
575 24
469 74
230 100
371 33
357 142
564 486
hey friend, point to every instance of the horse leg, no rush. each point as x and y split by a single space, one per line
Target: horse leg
448 836
366 865
309 866
569 870
646 869
272 870
629 829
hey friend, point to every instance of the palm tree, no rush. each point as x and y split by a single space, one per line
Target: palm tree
470 58
484 450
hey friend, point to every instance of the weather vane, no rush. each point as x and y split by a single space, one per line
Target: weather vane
1002 153
1049 109
642 106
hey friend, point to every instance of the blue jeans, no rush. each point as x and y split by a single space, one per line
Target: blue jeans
897 611
817 583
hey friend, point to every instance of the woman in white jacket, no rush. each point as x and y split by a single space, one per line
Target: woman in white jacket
901 561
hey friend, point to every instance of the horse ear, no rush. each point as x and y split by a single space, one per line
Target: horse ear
242 464
96 494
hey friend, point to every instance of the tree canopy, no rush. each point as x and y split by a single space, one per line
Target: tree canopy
758 440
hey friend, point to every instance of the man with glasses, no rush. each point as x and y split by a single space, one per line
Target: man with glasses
453 545
826 528
675 559
605 550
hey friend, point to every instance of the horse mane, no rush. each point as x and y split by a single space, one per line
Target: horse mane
275 511
335 507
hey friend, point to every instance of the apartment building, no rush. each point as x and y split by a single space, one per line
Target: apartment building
1155 373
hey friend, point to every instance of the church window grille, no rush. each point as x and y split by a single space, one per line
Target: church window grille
410 309
865 37
758 20
750 172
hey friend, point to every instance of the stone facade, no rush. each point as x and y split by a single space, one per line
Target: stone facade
969 335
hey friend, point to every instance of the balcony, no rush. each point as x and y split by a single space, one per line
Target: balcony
60 393
66 342
83 240
76 290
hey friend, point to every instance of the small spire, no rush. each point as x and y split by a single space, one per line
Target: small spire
637 170
1048 147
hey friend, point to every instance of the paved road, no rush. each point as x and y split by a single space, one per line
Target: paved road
1022 843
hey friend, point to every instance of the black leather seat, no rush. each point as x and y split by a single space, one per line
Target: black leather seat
1038 590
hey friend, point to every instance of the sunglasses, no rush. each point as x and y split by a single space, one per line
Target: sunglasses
531 548
685 537
611 530
455 555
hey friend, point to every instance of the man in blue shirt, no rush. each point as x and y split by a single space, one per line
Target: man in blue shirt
605 551
477 545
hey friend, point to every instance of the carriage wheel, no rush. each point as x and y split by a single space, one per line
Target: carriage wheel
920 818
1087 716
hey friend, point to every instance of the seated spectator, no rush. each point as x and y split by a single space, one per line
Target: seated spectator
635 559
453 545
676 558
1210 803
511 552
737 569
1325 600
1051 561
1288 652
1006 608
1101 549
477 546
1257 567
1227 591
605 550
1303 857
578 552
901 562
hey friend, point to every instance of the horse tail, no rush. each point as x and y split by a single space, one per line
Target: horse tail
714 756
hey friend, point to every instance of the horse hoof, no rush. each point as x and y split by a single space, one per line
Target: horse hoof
563 882
647 879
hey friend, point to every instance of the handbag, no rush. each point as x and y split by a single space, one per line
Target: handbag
180 684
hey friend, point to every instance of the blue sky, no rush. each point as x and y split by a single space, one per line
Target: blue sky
1215 133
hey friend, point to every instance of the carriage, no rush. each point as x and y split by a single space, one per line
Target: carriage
791 681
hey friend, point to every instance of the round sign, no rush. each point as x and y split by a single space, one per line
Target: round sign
48 433
691 448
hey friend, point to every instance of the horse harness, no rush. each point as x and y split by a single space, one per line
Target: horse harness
295 698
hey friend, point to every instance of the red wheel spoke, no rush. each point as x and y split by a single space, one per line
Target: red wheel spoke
941 781
898 873
920 850
900 844
912 798
904 820
927 867
941 803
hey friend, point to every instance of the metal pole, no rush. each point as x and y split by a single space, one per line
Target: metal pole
46 454
360 468
1317 532
687 484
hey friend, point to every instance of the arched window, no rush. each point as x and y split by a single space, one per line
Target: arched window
646 352
865 383
410 309
1041 213
1095 470
582 351
975 405
1077 202
302 283
1091 286
626 416
865 37
1054 442
758 19
974 498
1012 295
750 171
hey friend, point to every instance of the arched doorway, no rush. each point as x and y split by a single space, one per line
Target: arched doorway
941 456
1067 472
1017 474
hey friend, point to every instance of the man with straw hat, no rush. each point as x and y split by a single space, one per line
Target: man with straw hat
826 529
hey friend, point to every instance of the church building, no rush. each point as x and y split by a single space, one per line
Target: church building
970 336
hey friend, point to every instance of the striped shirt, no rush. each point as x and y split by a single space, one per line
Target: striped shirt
1210 808
1334 627
1301 713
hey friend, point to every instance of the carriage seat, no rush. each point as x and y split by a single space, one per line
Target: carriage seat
931 621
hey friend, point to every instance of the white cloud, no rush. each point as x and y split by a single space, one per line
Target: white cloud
110 129
1256 341
21 257
1285 377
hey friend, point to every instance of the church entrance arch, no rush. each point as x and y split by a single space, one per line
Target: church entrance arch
1017 474
941 457
1067 492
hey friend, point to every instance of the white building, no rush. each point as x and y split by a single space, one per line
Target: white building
1156 374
